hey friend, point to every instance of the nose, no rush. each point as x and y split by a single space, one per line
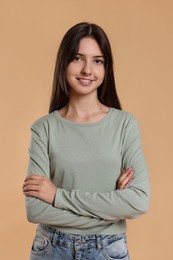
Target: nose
87 68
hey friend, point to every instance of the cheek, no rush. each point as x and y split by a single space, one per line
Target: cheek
72 68
101 74
68 71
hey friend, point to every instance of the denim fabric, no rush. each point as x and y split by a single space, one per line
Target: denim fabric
50 244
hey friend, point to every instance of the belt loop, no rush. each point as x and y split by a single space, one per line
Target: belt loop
75 243
99 242
54 238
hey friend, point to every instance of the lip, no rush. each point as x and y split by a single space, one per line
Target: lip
85 81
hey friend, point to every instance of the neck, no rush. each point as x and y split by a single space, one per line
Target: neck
84 106
84 109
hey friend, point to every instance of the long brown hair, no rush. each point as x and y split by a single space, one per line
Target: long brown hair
107 93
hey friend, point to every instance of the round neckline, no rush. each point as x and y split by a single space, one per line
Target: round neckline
57 114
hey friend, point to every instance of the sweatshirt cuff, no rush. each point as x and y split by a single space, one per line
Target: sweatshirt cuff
58 199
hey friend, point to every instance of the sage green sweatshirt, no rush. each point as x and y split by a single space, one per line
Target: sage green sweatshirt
84 160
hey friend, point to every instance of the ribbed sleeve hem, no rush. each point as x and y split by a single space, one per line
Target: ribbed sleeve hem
58 202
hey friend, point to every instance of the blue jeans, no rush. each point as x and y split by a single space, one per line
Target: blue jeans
50 244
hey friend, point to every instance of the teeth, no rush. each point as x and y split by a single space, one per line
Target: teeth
85 80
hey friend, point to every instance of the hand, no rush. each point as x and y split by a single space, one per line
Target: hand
125 179
39 187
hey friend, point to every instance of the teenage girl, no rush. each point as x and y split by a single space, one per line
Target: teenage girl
87 173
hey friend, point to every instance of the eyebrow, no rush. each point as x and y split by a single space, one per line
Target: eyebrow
97 56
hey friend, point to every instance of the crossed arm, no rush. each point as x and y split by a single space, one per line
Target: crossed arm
42 188
49 204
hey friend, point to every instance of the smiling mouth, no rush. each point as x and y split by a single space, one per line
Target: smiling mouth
85 80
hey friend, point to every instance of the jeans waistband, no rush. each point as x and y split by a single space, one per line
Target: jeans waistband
73 240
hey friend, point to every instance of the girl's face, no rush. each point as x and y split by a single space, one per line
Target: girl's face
85 73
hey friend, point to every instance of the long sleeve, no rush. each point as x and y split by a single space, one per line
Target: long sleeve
117 204
41 212
39 163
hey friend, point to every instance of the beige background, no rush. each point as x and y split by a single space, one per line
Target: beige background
141 34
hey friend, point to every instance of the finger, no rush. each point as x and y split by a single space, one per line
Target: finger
127 178
125 174
126 171
128 183
31 194
124 182
31 188
31 182
34 176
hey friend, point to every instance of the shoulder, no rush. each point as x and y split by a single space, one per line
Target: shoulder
44 123
123 117
124 122
128 125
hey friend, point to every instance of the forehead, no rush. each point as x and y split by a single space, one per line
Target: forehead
89 47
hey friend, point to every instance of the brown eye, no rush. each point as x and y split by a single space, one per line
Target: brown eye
77 58
99 61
